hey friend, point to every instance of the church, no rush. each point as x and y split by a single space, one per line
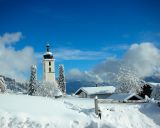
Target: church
49 70
48 65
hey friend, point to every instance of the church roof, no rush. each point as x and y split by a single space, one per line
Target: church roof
48 54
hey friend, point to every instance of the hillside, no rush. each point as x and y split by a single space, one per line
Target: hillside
13 85
71 85
22 111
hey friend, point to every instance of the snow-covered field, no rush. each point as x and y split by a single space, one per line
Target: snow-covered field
22 111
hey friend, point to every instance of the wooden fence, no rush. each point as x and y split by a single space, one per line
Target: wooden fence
105 101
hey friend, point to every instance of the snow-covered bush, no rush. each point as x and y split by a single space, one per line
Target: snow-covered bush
48 89
33 80
2 85
61 79
127 81
156 93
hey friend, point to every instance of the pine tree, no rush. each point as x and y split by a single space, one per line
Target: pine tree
2 85
47 89
33 80
61 79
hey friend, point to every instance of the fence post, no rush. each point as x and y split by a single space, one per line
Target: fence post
96 105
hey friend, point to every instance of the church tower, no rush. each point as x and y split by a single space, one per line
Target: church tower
48 65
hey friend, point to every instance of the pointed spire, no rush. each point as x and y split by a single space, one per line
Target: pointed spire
48 47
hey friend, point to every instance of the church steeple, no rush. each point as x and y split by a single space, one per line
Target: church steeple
48 65
48 54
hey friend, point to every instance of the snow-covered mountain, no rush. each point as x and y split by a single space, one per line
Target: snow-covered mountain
13 85
154 79
72 86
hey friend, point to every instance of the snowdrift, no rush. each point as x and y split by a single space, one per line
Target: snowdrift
22 111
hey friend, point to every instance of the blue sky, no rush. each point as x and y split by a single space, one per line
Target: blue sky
104 28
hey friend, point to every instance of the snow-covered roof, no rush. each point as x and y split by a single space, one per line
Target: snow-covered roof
48 53
123 96
97 90
153 84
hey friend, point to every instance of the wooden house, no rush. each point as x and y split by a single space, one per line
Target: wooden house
125 97
101 92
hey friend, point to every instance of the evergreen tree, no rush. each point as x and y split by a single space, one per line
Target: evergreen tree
48 89
61 79
33 80
2 85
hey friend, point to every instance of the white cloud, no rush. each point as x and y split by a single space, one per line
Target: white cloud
116 47
144 58
76 74
75 54
10 38
15 63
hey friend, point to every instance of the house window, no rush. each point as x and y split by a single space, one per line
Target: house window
49 69
49 63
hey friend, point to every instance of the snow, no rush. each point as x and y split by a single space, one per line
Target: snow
61 79
156 92
153 84
22 111
48 53
2 85
48 89
98 90
123 96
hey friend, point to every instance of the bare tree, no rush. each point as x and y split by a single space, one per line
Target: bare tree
128 81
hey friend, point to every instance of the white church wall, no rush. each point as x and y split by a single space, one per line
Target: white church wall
49 70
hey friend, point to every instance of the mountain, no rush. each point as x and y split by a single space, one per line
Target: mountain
14 86
155 79
72 86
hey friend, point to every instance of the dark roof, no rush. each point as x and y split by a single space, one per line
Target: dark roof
48 55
